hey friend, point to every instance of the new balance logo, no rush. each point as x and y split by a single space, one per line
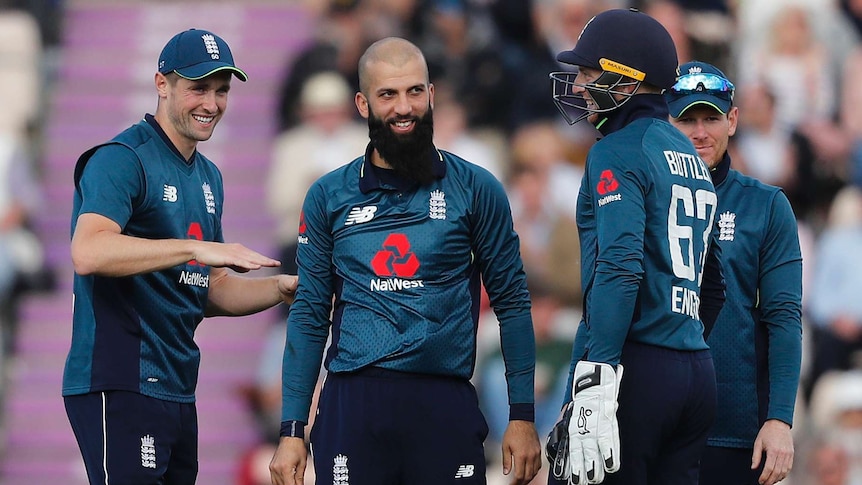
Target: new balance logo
169 193
359 215
465 471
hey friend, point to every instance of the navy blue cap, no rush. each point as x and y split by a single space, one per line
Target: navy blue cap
699 83
195 54
627 42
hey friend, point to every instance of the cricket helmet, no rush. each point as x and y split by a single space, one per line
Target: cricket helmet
629 47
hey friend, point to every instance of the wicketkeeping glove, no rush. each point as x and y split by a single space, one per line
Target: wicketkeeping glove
557 447
594 436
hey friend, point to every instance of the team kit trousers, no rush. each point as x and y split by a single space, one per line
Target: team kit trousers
381 427
128 438
667 405
729 466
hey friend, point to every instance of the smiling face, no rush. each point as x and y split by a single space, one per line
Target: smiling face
604 91
397 100
189 110
708 130
397 94
587 75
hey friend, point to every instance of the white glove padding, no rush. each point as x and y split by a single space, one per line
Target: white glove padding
594 436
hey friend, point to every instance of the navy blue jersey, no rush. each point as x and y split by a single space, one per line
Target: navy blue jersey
135 333
757 339
645 214
405 267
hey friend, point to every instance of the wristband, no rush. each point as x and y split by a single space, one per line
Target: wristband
522 412
293 429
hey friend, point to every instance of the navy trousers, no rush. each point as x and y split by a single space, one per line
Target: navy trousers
380 427
128 438
728 466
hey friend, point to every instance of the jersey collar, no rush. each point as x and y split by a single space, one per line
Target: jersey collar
151 120
376 178
638 106
719 173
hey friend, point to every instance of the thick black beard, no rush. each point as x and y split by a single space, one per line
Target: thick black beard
411 156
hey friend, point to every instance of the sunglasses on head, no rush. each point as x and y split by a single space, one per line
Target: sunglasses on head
702 82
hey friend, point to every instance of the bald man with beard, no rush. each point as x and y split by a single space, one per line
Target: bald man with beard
394 248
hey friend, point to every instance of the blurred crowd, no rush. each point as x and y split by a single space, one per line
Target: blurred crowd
29 36
795 63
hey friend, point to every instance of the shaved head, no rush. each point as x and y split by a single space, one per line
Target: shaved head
391 50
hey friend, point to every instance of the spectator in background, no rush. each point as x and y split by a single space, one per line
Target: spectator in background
834 306
463 54
542 188
554 26
21 77
340 37
836 416
673 17
762 147
453 133
852 10
828 463
21 253
326 137
701 29
263 397
849 115
554 328
796 66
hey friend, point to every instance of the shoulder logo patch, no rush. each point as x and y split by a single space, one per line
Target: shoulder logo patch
608 183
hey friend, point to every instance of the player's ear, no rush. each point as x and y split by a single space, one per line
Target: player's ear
161 82
431 95
733 119
361 104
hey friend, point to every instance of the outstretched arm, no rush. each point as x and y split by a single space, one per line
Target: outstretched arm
233 295
99 247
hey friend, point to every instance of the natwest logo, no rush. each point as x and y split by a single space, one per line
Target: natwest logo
608 183
395 263
395 259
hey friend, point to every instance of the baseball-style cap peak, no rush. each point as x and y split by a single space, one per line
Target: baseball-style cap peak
699 83
195 54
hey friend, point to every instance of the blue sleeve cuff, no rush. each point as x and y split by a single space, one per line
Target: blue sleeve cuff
522 412
293 429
